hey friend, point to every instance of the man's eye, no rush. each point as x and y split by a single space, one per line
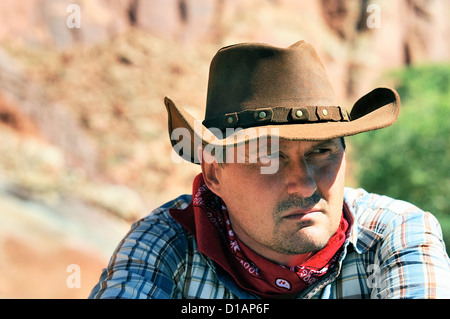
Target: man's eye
269 157
320 151
273 155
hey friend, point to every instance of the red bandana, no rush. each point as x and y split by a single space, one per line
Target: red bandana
206 218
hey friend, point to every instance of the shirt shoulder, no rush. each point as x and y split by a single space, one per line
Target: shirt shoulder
148 259
380 213
401 244
160 217
158 228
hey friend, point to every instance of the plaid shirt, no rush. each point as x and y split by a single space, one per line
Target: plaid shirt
395 250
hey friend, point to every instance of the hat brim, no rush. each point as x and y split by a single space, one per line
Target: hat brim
378 109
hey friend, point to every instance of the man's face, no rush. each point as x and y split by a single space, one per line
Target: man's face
287 215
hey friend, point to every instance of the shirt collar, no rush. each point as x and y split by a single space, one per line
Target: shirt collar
361 237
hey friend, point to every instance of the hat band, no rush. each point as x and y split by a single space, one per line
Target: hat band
278 115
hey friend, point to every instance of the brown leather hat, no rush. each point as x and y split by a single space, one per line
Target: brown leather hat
255 88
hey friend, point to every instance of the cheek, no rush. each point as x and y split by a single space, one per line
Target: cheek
249 199
331 180
339 182
244 184
332 188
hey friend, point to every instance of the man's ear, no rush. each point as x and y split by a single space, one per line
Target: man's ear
210 170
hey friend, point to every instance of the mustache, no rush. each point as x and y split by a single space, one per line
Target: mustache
296 201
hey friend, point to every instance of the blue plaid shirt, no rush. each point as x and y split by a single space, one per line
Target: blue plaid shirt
395 250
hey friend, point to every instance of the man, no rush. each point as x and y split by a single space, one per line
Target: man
269 216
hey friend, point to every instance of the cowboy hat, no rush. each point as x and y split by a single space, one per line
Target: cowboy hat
257 89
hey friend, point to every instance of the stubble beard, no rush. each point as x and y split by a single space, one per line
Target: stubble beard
304 239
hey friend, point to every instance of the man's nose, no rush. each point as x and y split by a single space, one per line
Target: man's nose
300 178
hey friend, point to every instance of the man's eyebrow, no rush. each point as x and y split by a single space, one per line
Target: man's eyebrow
332 142
318 144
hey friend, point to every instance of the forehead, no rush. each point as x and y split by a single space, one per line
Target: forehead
267 146
283 144
289 144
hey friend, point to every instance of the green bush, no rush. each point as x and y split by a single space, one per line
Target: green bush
411 159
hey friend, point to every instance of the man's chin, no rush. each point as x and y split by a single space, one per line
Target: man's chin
309 239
